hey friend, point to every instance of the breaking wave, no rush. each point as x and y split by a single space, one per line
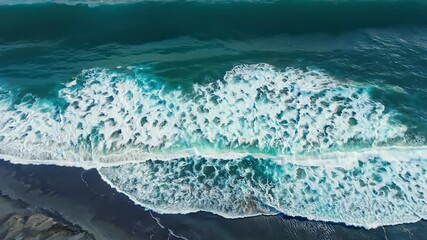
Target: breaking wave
107 116
259 141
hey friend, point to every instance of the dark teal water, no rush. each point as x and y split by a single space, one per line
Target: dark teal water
242 100
376 42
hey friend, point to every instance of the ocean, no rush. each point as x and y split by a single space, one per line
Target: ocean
311 111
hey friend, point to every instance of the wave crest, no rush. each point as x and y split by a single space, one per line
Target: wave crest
119 122
107 116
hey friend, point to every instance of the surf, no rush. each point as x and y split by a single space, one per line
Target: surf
260 140
108 116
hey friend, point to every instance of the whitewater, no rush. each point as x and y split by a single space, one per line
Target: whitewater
261 140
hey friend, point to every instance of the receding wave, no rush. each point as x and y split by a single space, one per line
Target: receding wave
261 140
371 192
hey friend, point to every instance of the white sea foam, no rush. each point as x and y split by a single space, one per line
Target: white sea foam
106 116
258 141
367 188
372 193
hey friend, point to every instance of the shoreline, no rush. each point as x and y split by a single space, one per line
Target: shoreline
83 198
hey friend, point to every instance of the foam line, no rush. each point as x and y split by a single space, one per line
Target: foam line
331 159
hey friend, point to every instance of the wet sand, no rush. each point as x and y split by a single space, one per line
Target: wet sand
80 197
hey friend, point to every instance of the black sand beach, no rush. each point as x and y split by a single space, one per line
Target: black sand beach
80 198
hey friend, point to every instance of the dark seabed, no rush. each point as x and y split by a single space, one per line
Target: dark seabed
81 197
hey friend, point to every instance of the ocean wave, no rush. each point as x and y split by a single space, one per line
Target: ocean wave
373 192
261 140
108 116
367 188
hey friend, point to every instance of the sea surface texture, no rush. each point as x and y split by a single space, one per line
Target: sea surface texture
311 108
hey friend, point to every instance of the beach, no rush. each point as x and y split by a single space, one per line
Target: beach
82 198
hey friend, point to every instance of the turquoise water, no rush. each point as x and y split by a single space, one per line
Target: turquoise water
307 108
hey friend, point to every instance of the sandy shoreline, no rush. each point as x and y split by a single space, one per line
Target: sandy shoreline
82 198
